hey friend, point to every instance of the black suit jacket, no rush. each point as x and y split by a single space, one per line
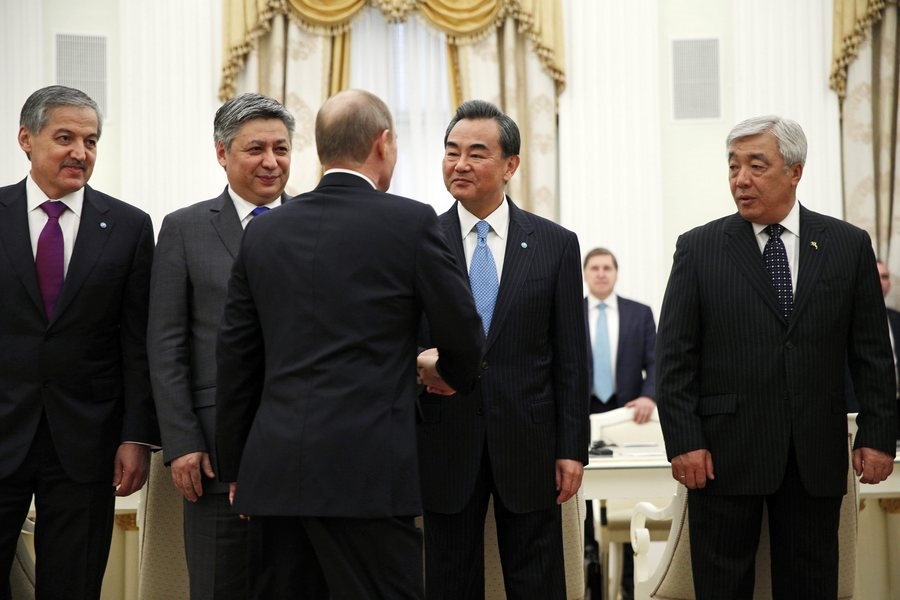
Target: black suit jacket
530 405
317 352
194 255
635 364
735 377
87 367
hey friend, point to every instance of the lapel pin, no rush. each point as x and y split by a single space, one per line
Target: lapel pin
814 245
524 245
102 224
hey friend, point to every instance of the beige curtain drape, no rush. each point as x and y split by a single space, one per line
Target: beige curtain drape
865 77
509 52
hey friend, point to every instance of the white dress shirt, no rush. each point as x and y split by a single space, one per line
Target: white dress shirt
612 326
244 208
496 238
69 220
790 237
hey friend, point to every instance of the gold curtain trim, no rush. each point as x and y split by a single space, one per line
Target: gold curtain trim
245 21
850 32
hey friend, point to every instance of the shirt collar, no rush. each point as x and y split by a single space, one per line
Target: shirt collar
498 220
351 172
244 208
612 301
791 222
36 196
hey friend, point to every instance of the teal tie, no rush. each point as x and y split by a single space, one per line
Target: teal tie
603 386
483 276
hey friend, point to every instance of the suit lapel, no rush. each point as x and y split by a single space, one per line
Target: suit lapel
624 325
813 234
97 224
15 239
450 223
520 248
225 221
742 247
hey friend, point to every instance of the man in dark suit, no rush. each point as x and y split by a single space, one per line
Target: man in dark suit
521 435
316 396
884 276
762 311
77 413
194 256
622 368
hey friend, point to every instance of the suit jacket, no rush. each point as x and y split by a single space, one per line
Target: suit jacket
635 370
735 377
530 405
86 367
894 321
194 255
316 389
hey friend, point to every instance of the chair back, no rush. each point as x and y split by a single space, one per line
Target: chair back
618 427
673 579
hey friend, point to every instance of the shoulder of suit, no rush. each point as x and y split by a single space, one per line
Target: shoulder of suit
633 303
197 209
120 206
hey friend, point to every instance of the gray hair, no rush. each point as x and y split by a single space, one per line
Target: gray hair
348 123
789 135
510 141
232 115
34 112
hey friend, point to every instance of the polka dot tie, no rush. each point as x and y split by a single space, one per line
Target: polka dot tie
483 276
775 258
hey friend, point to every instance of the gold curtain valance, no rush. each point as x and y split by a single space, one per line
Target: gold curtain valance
244 21
853 20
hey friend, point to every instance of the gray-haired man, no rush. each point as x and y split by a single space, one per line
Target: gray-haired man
195 252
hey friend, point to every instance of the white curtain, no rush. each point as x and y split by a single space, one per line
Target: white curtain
408 72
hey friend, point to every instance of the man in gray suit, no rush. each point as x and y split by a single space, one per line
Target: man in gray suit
763 310
195 251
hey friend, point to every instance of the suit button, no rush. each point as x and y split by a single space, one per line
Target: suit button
479 411
484 365
789 345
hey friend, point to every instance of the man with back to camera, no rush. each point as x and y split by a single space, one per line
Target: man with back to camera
316 395
623 340
194 256
763 310
521 436
77 414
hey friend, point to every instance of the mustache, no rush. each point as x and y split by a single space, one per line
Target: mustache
78 164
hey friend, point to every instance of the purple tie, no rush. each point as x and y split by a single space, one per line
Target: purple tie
49 258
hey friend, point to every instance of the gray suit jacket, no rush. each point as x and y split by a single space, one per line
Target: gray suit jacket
194 254
737 378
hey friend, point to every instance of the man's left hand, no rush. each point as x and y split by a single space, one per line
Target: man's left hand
568 478
132 465
874 466
643 409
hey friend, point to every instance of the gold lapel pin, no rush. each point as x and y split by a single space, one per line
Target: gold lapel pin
814 245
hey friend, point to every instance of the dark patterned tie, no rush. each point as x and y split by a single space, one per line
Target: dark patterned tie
775 257
49 258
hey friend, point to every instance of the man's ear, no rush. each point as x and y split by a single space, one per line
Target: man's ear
512 164
220 153
25 141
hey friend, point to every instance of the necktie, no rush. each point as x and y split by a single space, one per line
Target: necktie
603 387
775 257
259 210
483 276
49 258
